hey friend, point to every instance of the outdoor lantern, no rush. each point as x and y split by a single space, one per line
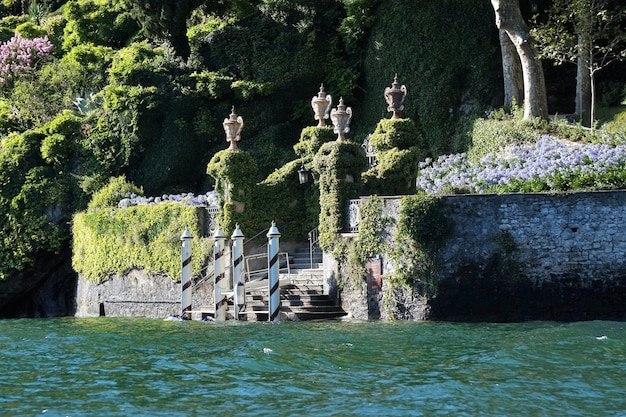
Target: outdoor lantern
321 106
303 175
341 117
394 97
232 127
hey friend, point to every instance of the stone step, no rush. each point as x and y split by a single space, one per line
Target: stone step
305 314
304 265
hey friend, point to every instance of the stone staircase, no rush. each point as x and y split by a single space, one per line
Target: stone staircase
301 292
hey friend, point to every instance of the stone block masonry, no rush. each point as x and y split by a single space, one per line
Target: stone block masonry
548 236
523 256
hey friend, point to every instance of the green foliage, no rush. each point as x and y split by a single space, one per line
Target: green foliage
212 84
452 66
32 202
98 22
397 144
114 241
234 173
394 173
281 197
311 139
390 133
492 136
112 193
8 120
370 240
360 16
139 64
85 65
338 165
423 227
30 30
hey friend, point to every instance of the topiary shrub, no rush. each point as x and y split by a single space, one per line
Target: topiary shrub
397 144
338 165
395 133
311 140
234 173
281 197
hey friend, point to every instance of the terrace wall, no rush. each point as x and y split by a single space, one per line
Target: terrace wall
521 256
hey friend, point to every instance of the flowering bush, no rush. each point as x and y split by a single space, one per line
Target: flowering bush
187 199
18 55
547 165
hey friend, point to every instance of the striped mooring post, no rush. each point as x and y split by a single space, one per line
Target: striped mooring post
273 248
238 277
186 274
221 284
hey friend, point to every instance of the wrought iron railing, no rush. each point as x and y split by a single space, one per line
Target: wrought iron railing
353 216
314 243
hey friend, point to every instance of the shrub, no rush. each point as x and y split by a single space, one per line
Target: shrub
19 55
112 193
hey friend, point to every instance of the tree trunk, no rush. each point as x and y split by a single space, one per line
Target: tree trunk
583 83
509 18
511 71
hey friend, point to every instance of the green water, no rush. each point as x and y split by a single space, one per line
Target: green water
140 367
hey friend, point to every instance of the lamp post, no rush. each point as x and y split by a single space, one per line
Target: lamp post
341 117
321 106
394 97
232 127
303 175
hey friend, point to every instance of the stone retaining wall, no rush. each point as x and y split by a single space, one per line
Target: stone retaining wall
135 294
521 256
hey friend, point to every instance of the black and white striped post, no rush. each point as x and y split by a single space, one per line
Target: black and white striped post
273 248
238 276
186 274
221 284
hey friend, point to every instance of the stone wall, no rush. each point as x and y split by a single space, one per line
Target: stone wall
135 294
521 256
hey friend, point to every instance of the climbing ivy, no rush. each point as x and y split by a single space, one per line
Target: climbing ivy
337 163
234 173
312 139
114 241
398 152
423 227
370 240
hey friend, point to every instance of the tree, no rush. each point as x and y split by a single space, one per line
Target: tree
511 71
509 19
588 33
167 19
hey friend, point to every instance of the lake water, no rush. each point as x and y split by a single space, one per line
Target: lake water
140 367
